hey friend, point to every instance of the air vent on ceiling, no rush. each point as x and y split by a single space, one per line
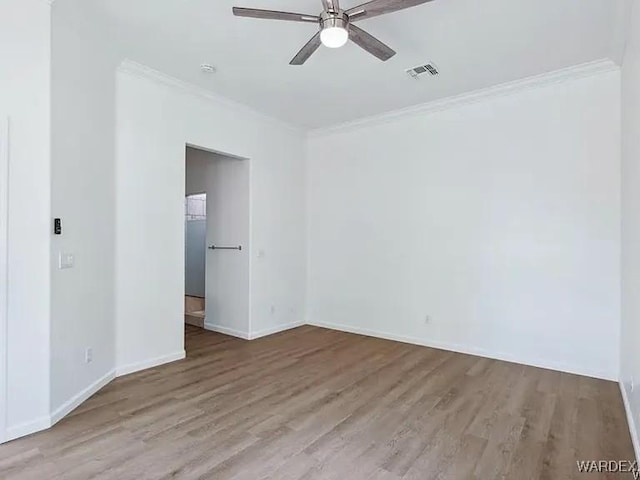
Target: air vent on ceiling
428 69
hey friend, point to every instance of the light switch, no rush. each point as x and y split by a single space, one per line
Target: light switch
66 260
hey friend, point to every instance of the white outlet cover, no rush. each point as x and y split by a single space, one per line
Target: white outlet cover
65 260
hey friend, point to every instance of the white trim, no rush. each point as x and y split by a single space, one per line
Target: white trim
62 411
596 67
232 332
277 329
4 273
139 70
633 430
152 362
226 331
28 428
509 88
74 402
470 350
250 247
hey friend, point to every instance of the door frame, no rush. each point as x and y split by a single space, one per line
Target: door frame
4 271
246 246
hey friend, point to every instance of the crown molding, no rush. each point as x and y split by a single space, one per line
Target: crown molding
139 70
510 88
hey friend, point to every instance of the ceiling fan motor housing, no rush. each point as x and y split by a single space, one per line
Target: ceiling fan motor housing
332 19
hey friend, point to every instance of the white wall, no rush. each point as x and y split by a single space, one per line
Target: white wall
4 277
82 194
630 356
154 122
499 219
24 96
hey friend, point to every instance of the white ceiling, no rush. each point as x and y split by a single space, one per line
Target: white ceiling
474 43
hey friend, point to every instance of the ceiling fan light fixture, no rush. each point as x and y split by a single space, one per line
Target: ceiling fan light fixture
336 27
334 37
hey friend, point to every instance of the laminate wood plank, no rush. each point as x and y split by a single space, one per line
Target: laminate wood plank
495 460
560 452
312 403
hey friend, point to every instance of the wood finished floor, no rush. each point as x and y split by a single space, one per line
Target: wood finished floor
319 404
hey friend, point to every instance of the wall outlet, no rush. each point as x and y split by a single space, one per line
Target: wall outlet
88 355
65 260
272 309
427 319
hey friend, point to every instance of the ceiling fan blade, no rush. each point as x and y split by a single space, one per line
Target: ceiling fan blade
308 50
370 43
381 7
274 15
331 5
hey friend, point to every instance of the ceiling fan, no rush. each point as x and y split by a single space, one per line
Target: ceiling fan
336 25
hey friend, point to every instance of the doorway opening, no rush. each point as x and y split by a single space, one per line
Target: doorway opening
217 226
195 258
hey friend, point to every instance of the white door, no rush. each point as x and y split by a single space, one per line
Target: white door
227 270
4 212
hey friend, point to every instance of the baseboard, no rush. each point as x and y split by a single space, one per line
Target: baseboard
150 363
277 329
630 420
28 428
226 331
59 413
63 410
469 350
74 402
